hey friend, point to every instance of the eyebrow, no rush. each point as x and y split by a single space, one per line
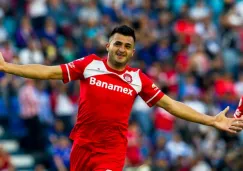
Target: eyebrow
129 44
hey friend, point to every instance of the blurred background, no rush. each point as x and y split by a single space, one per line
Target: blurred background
192 49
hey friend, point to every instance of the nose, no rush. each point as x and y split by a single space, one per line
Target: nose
122 49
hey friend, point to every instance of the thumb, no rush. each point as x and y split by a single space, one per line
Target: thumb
225 110
2 62
1 56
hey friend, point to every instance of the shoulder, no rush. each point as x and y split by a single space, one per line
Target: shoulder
90 57
86 60
131 69
138 72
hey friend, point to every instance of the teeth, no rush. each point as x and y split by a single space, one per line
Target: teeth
120 54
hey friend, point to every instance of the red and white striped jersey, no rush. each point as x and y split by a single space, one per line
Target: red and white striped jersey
106 100
29 102
239 111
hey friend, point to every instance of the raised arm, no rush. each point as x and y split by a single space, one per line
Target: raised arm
34 71
183 111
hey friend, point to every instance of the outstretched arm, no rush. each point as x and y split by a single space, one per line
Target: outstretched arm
34 71
183 111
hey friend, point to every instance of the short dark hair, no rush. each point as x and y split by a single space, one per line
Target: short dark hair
124 30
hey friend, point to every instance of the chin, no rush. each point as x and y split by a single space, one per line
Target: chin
119 62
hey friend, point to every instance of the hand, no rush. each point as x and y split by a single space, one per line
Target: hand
232 125
2 62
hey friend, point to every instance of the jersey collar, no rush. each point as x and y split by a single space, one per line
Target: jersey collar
113 70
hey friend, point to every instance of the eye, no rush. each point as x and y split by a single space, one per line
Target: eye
117 43
128 47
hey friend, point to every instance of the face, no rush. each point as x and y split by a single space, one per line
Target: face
120 50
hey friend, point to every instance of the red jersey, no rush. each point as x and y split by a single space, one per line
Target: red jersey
106 100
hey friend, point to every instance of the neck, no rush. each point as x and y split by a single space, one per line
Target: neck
112 66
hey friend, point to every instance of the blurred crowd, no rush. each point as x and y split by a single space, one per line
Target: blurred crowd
191 49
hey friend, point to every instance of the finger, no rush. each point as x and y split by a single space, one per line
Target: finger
237 124
223 112
238 119
231 131
235 128
226 109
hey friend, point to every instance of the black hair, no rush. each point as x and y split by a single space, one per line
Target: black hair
124 30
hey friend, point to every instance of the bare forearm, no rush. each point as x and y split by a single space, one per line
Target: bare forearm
185 112
34 71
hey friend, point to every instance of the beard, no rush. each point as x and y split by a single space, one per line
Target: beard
117 60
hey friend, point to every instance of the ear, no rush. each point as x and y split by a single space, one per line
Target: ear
133 51
107 46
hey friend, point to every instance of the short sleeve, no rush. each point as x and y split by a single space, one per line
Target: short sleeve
150 93
74 70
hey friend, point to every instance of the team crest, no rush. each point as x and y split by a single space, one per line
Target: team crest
127 77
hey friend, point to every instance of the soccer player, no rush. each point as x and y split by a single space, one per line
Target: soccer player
108 89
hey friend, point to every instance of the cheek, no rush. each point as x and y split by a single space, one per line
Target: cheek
112 50
130 53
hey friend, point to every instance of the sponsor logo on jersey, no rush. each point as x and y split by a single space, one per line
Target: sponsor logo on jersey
113 87
128 78
71 65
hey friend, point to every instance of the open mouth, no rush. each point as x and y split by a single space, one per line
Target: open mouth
120 57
